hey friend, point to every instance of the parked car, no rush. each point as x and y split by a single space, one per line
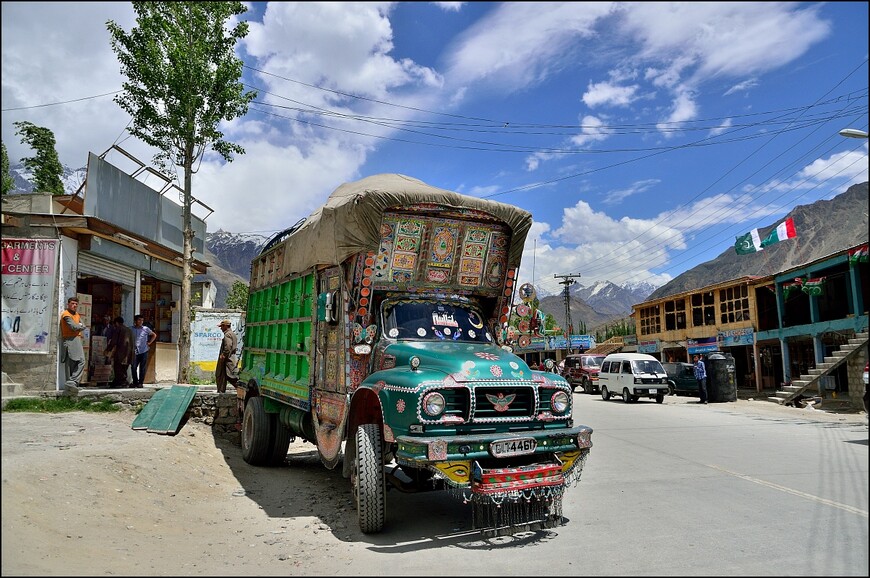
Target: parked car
681 378
635 375
582 370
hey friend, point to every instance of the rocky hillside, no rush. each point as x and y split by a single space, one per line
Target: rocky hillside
823 228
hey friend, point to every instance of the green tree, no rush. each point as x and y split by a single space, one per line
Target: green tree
45 165
8 182
238 296
183 80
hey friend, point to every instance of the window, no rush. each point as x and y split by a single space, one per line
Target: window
626 367
675 314
650 321
605 367
703 309
734 304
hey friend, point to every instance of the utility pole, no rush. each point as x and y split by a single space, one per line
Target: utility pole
568 280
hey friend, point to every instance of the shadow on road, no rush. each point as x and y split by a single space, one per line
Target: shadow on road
302 486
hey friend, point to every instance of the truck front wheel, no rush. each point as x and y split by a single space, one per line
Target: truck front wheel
368 479
256 433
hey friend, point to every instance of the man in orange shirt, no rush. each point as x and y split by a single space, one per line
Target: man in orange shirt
72 346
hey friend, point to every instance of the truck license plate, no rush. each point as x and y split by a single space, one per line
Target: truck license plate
653 391
517 447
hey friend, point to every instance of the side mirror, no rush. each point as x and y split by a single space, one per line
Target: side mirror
327 306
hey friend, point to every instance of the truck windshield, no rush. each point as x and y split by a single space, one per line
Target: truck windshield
647 366
434 321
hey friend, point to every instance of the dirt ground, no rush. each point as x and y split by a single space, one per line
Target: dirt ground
84 494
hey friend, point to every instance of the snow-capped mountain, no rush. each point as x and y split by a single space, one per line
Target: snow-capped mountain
72 179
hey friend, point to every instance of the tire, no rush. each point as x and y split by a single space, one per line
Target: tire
256 433
586 387
280 443
605 395
660 398
368 481
626 397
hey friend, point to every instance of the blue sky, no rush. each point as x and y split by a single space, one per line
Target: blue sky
642 137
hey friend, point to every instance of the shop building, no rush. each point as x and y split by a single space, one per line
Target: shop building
778 327
117 245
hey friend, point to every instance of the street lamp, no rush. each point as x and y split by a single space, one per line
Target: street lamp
853 133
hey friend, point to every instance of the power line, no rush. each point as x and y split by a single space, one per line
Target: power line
61 102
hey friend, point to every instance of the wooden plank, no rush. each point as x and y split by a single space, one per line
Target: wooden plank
172 410
143 420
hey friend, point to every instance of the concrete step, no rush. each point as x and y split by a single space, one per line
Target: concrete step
9 388
778 400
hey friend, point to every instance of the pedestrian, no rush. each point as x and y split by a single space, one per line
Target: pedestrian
143 338
701 377
122 351
72 344
226 369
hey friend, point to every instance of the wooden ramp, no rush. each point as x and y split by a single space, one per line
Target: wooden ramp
165 410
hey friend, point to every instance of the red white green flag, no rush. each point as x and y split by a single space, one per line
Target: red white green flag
815 286
783 231
858 254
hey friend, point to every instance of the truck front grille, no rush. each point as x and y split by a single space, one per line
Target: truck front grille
503 403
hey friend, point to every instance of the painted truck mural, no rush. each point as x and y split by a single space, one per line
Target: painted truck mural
372 325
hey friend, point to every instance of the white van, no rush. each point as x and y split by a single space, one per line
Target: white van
633 375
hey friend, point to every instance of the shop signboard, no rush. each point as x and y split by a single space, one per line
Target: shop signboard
702 345
648 346
735 337
206 336
582 342
29 280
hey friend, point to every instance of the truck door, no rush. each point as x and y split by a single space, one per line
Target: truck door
329 397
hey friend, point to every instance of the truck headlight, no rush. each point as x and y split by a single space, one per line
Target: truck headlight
414 362
559 402
433 404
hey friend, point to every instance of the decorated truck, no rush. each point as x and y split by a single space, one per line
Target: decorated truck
371 333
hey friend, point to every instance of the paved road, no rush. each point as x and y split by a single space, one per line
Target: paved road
739 488
742 488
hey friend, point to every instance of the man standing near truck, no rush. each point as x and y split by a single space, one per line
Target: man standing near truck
226 369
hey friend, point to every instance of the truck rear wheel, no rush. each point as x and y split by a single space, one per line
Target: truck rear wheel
256 433
280 441
368 479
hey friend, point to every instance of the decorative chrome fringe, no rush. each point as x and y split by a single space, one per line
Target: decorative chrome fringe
508 512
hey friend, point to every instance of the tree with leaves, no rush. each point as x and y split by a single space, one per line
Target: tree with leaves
183 80
8 182
238 296
45 165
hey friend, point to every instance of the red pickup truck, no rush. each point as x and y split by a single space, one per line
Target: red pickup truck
582 369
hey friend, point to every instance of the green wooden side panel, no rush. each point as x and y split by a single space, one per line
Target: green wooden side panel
278 336
143 420
172 407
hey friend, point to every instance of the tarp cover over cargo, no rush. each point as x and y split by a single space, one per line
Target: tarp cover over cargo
350 220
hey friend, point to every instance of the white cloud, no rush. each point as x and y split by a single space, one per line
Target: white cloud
744 86
52 53
617 196
541 35
609 94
